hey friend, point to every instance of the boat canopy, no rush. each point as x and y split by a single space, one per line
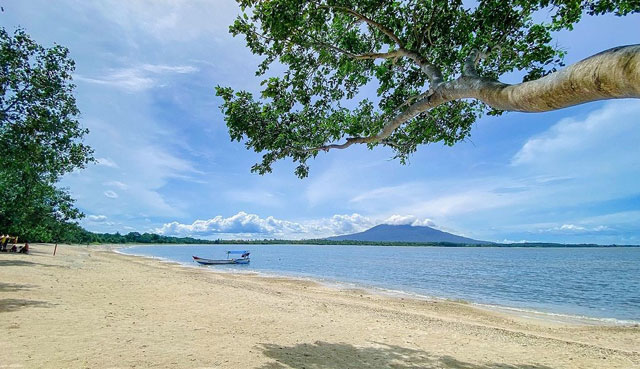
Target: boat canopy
237 252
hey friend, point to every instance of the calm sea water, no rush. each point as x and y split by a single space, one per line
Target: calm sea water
592 282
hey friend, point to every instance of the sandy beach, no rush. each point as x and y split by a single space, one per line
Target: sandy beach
89 307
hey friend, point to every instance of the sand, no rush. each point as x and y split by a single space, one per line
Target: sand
89 307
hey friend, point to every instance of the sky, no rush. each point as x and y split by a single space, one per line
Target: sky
145 76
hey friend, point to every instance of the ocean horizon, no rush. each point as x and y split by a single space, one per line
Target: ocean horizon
601 284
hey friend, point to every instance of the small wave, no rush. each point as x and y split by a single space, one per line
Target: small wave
569 317
158 258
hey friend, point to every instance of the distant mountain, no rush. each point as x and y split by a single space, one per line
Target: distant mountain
405 233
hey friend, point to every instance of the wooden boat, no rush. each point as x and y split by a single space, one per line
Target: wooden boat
244 259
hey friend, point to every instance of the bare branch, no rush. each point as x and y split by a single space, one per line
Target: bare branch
350 141
369 21
423 104
434 73
366 56
469 66
470 63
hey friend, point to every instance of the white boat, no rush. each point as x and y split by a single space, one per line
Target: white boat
243 259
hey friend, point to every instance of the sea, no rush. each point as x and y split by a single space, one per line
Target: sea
594 283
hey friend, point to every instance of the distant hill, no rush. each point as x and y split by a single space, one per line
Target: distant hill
406 233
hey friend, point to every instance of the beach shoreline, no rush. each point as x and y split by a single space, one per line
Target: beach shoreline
91 307
522 312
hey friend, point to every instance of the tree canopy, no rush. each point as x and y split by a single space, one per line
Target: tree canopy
40 137
434 65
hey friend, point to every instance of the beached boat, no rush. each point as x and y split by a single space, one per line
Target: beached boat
243 259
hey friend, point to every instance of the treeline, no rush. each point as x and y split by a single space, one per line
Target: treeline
78 235
343 242
75 234
417 244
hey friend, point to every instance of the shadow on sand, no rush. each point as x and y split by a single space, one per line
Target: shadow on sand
323 355
9 305
17 262
13 287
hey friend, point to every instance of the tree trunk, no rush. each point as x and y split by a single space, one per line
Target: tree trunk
611 74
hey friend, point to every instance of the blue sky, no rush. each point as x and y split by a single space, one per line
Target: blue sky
145 76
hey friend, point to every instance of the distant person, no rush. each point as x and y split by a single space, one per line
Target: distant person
24 249
13 249
3 245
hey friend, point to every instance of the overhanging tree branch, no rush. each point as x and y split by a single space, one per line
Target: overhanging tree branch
366 56
611 74
314 106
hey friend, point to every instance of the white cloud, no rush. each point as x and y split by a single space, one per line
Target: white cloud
577 228
97 218
171 20
111 194
127 79
158 68
458 203
506 240
409 220
148 156
149 168
244 225
571 227
426 222
405 190
106 162
341 180
117 184
400 219
590 145
240 223
340 224
139 78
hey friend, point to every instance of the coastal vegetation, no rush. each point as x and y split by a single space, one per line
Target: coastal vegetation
404 74
40 138
77 235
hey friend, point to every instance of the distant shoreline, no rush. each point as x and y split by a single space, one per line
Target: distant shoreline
84 237
364 243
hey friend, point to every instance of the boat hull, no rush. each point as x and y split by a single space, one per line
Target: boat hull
203 261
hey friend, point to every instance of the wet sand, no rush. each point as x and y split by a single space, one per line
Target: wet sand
89 307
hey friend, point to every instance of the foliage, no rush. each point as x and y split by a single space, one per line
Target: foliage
77 235
40 137
336 52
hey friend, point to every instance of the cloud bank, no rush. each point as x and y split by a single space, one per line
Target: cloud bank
245 225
